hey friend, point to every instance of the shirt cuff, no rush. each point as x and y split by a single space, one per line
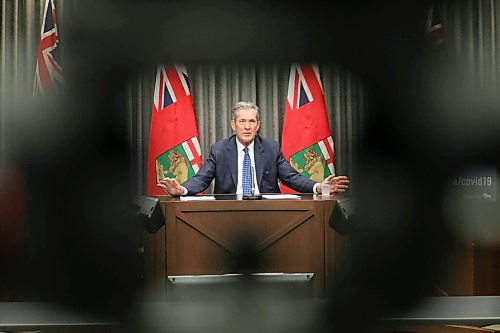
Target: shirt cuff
315 188
185 191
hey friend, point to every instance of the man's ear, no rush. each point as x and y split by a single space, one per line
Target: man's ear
233 125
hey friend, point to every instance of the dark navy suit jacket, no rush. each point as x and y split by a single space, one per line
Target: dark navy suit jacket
270 165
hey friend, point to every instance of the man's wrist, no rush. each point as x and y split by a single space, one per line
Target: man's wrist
185 191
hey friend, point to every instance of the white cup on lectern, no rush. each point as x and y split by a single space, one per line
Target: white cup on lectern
325 189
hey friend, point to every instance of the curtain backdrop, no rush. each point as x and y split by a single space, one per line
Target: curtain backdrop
471 32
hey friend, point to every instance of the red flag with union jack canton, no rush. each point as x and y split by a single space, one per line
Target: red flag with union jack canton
174 147
48 66
435 25
306 141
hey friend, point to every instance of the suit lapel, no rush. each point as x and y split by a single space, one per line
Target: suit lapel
233 160
258 150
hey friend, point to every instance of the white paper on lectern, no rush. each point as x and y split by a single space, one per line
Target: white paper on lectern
197 198
280 196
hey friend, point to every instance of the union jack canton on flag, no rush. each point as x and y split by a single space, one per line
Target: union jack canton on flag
48 69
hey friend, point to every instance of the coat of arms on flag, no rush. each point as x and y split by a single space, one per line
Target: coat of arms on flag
174 148
181 162
306 141
316 162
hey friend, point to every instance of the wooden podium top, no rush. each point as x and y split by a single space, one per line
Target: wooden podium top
234 197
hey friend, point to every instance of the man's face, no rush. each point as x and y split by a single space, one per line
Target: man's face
246 126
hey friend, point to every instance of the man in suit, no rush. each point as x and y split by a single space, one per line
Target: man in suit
230 166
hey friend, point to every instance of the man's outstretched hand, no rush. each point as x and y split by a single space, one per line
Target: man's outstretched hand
338 184
171 186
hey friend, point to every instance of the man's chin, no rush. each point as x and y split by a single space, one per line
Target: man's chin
246 140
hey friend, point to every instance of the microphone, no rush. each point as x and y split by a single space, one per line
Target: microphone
252 196
253 184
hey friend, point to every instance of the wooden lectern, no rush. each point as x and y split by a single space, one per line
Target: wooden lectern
290 236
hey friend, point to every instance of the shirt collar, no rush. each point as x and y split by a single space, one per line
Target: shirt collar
241 147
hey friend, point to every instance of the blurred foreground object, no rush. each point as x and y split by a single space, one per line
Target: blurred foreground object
149 213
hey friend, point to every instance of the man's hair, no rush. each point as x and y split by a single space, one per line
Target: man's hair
244 105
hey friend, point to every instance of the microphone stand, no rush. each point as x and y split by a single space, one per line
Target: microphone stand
253 196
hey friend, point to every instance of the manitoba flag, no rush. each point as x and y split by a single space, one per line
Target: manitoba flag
306 141
48 75
435 25
174 148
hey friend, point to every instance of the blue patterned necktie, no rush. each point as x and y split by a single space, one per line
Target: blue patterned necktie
247 177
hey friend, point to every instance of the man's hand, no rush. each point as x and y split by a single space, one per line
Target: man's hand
338 184
171 186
